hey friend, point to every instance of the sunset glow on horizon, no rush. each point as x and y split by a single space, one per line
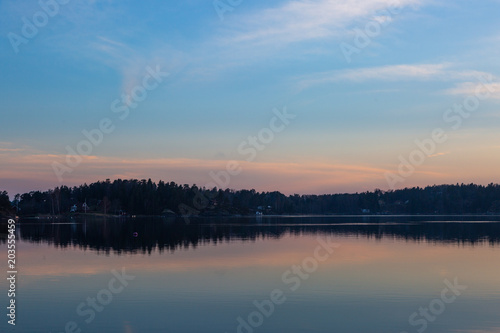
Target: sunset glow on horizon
307 97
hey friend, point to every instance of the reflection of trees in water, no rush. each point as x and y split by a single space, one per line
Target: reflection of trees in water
117 235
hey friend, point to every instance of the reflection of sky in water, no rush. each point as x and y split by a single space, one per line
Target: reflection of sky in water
367 285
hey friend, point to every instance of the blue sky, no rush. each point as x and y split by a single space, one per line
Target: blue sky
354 117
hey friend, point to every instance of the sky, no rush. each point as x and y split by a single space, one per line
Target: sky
304 96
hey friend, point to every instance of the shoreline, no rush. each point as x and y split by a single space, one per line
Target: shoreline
101 215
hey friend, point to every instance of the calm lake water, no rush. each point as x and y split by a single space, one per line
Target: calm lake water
287 274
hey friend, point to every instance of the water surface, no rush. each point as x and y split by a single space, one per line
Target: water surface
206 276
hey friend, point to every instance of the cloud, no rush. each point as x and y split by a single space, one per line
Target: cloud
131 62
94 31
303 20
10 149
393 73
438 154
7 147
30 168
471 88
288 31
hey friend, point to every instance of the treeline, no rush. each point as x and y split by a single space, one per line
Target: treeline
5 204
144 197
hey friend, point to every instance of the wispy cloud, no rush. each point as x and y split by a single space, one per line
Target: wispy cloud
404 72
304 20
471 88
10 149
438 154
289 31
288 177
94 32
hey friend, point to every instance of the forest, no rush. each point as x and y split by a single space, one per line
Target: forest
145 197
